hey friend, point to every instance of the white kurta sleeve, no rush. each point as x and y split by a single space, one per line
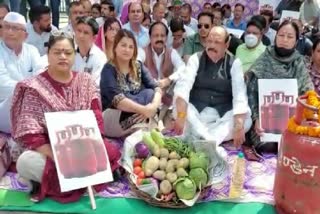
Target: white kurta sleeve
8 84
239 89
185 83
98 63
141 55
36 60
178 64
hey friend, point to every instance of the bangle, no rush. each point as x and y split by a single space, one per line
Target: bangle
182 115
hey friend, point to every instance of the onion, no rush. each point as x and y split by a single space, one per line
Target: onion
142 150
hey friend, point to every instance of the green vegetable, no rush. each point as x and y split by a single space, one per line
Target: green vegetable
145 181
185 188
199 160
199 176
157 137
175 144
147 139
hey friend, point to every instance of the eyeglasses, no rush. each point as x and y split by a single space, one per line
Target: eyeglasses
13 28
206 26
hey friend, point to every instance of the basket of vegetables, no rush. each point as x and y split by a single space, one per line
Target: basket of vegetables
165 171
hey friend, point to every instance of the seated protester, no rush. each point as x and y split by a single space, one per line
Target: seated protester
207 7
186 16
269 32
315 65
281 61
69 91
211 101
87 7
106 35
226 14
4 10
159 12
89 58
265 40
196 42
18 61
146 22
253 47
304 45
237 22
134 25
107 11
217 17
178 34
129 93
76 10
96 10
39 28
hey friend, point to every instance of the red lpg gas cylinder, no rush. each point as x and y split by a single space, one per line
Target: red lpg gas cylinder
63 152
265 113
83 158
297 180
99 148
280 113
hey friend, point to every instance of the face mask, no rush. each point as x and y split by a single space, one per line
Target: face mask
250 40
283 52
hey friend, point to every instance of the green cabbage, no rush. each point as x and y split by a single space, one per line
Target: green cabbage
199 160
185 188
199 176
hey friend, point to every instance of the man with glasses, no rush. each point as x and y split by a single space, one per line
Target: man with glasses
211 101
89 58
18 61
4 10
134 25
196 42
76 11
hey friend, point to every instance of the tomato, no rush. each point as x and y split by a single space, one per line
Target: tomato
141 175
139 181
137 170
137 162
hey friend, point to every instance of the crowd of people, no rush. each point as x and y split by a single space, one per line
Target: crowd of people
144 63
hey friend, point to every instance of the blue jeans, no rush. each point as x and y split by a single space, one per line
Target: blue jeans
14 5
23 5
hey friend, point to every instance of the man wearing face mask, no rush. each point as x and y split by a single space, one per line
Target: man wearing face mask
253 47
211 101
39 28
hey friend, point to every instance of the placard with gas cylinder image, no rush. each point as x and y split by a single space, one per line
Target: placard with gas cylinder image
277 103
78 148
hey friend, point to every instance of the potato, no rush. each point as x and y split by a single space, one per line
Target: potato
174 155
159 175
152 164
156 151
164 153
174 162
183 163
170 167
163 163
172 177
181 172
165 187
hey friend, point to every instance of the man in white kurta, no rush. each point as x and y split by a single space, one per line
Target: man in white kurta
89 58
211 98
18 61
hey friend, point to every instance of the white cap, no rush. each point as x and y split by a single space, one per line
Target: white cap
15 18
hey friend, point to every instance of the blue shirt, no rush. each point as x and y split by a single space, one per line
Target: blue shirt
118 6
241 26
142 37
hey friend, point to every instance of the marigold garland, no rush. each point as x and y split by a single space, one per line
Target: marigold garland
312 100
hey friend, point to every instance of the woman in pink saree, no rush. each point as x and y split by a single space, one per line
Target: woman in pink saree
56 89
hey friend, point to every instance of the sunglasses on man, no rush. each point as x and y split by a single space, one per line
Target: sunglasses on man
206 26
